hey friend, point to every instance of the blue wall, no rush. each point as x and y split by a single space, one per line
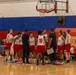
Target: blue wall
35 23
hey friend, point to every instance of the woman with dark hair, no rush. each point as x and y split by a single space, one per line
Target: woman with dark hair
46 37
9 40
67 46
32 43
60 44
16 45
40 47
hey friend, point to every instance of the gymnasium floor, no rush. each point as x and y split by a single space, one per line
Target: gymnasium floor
20 69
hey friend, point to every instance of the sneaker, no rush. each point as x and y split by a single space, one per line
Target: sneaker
9 61
52 62
14 61
37 63
42 63
67 62
62 62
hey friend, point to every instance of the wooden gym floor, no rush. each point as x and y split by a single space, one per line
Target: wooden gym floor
20 69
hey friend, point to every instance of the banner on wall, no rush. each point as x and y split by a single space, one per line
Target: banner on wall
73 41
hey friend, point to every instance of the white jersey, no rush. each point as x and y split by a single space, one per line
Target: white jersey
16 40
60 41
20 41
9 38
68 39
46 37
41 40
32 41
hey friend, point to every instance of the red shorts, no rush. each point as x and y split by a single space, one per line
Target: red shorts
61 49
16 48
20 47
40 49
8 45
32 48
67 47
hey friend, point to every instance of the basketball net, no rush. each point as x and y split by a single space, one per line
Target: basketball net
42 14
45 7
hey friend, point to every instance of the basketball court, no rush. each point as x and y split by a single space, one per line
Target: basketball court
35 15
19 69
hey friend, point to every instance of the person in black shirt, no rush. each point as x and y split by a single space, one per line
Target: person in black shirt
26 49
52 44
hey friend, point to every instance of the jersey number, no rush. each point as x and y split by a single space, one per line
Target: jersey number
40 40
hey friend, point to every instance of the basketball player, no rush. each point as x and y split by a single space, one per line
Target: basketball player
20 46
32 43
46 36
40 47
60 44
9 40
16 45
46 39
67 46
64 35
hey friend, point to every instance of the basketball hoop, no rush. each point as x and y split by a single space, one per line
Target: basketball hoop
45 6
42 10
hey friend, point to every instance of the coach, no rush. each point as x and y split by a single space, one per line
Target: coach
26 49
52 44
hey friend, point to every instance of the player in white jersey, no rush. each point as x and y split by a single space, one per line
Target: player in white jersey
46 38
8 42
60 44
32 47
21 45
17 45
40 47
45 34
32 42
67 46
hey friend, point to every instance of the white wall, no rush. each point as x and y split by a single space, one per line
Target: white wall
29 9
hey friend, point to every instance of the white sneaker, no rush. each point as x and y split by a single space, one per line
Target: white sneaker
62 62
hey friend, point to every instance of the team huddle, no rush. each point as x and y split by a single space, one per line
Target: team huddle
24 45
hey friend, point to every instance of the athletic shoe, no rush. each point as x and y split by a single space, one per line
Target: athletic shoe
9 61
68 61
14 61
37 63
42 63
52 62
62 62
